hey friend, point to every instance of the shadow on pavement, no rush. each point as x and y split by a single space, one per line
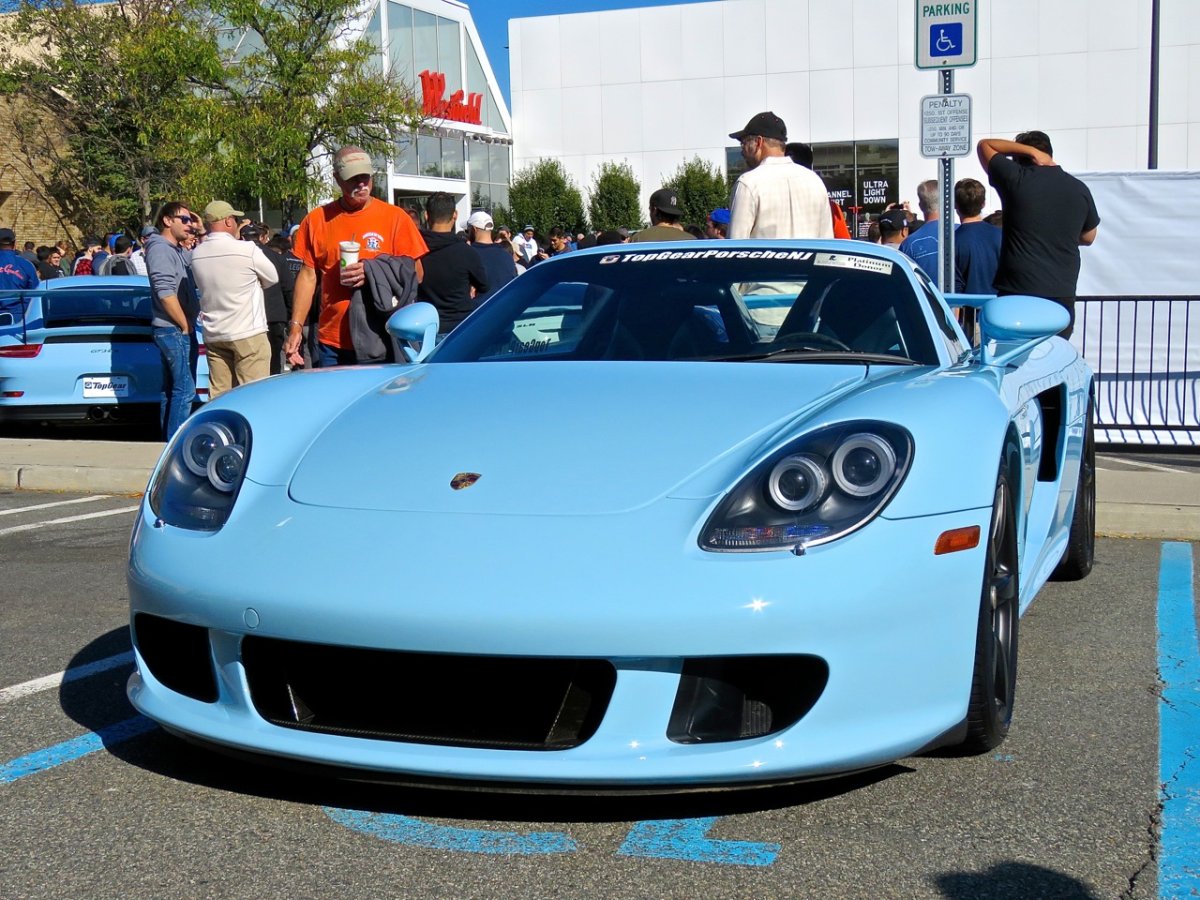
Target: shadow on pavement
99 702
1012 879
144 431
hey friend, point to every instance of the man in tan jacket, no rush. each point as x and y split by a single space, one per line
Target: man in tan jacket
231 275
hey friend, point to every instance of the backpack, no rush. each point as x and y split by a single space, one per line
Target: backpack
116 265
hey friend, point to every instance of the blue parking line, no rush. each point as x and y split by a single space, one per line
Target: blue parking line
67 751
414 832
687 839
1179 725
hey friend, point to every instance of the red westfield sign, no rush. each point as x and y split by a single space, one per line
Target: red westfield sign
435 105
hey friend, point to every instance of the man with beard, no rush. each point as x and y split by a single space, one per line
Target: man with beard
776 198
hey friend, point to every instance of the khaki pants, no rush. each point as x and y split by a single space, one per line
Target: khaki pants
233 363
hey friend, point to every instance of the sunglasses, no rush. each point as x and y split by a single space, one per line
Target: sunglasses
187 220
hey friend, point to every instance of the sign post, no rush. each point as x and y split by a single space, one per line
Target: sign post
946 36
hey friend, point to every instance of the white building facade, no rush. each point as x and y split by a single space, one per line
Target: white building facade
465 147
654 87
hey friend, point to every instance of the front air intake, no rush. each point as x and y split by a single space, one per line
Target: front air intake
508 703
739 697
177 655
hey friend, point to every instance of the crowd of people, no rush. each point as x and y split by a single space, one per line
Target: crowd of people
318 293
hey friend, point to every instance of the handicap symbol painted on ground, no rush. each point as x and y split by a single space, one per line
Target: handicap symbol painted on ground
685 839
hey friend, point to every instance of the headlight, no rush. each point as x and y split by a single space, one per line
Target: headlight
198 483
814 490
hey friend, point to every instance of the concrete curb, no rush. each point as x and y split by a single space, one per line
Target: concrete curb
1180 523
85 479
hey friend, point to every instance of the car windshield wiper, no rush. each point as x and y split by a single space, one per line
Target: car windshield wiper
800 354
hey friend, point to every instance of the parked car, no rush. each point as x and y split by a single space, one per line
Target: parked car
651 518
81 349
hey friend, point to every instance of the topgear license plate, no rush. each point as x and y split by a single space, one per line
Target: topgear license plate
105 386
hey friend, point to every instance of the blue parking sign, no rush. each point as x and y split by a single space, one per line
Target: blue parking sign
946 39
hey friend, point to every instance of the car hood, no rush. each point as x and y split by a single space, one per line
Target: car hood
550 438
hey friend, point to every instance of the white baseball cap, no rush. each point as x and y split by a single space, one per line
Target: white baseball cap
480 220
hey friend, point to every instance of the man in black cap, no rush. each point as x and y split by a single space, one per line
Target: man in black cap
16 272
776 198
665 216
893 228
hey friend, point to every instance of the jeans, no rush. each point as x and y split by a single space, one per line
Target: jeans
335 356
179 352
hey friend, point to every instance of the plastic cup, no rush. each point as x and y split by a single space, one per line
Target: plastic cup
349 252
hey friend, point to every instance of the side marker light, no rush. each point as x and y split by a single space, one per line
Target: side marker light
957 539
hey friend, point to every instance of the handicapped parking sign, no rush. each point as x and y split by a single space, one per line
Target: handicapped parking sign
947 39
946 33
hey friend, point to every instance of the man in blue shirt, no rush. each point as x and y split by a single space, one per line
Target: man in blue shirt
921 246
976 243
16 272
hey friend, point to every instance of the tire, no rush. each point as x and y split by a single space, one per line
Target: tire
994 681
1081 542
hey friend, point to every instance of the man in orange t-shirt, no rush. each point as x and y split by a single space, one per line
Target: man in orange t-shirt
377 227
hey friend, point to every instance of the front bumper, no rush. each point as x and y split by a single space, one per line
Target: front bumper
894 625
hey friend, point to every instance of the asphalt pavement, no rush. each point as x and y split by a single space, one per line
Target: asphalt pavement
1138 494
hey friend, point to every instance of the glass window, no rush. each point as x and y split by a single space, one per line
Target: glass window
499 168
861 176
425 42
449 58
735 165
400 42
453 162
499 196
429 155
477 84
406 156
374 36
825 308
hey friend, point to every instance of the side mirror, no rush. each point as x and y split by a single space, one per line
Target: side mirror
1011 326
415 327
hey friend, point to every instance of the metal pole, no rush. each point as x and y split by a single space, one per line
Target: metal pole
1152 155
946 242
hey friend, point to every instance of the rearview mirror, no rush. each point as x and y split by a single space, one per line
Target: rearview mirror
1011 326
415 327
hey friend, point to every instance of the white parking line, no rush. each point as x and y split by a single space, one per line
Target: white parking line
64 521
1138 464
21 509
47 682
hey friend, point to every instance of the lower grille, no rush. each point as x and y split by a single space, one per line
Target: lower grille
177 655
738 697
467 701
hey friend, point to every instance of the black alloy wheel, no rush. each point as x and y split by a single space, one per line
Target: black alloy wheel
994 683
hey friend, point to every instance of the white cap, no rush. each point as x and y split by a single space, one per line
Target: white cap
480 220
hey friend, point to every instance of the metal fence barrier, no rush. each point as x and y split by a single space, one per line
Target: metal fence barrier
1145 352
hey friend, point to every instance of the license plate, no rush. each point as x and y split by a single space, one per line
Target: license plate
110 386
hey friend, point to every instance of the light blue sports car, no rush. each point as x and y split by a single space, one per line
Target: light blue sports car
81 349
655 517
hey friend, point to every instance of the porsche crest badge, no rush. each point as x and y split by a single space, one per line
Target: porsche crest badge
464 480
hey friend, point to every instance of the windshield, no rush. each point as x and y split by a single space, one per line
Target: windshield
701 305
78 306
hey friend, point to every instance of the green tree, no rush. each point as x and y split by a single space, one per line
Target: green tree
544 196
615 198
127 104
302 57
701 188
96 111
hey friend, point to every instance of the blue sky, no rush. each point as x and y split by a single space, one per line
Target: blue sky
491 18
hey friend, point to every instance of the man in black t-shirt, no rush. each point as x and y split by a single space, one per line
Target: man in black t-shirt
1048 216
